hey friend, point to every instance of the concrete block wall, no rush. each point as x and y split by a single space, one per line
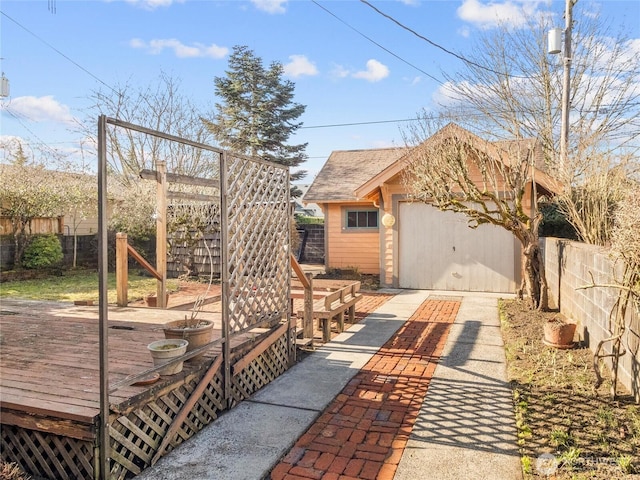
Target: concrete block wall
314 246
570 265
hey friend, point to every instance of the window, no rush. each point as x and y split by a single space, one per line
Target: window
362 219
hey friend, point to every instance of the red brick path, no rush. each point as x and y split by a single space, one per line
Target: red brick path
363 432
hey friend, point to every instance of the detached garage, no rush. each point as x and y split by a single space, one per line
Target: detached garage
412 244
438 251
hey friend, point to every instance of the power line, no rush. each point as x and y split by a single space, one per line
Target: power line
377 44
39 140
60 53
431 42
373 122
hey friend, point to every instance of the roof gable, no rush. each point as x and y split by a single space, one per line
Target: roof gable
346 170
503 151
352 175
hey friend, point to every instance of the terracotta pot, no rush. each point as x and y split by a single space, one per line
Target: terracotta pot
559 333
198 335
152 300
163 351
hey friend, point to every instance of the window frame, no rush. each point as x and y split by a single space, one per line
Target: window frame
368 210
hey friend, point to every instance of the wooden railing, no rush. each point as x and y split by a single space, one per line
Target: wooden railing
123 250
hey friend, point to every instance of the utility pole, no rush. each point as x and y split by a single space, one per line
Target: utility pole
566 84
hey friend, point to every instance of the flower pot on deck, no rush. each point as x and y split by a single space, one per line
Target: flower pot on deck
197 332
164 351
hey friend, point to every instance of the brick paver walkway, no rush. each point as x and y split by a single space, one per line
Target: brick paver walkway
363 432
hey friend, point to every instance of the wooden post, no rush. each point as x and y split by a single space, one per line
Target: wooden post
122 269
161 233
307 321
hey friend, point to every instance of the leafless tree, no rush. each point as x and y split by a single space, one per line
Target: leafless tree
511 88
159 107
28 191
625 314
488 182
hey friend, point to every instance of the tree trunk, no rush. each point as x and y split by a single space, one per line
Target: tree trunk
19 240
534 279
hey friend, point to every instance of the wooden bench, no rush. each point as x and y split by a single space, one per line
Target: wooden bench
333 305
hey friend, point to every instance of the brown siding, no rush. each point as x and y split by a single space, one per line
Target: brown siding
351 249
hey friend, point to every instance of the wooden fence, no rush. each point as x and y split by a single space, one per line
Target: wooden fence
36 226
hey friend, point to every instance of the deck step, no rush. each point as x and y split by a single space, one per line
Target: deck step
303 342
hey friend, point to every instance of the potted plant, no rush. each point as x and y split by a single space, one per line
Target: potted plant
559 331
197 332
163 351
152 300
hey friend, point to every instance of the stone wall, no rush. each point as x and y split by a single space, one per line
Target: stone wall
570 265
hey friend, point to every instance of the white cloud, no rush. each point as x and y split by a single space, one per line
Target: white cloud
464 31
338 71
156 46
42 109
490 14
410 2
270 6
375 71
300 65
633 47
9 146
153 4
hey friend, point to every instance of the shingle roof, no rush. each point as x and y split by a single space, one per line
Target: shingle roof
346 170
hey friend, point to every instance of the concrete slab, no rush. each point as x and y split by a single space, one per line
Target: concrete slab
239 445
246 442
466 426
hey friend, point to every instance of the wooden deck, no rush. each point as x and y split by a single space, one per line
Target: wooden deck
50 393
49 360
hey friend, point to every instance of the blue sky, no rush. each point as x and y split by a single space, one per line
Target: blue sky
55 59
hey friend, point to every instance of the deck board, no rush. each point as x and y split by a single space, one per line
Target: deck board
49 359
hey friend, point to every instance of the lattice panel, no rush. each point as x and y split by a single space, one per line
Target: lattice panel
46 455
135 438
257 242
261 371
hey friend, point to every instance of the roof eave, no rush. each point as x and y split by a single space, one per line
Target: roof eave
370 188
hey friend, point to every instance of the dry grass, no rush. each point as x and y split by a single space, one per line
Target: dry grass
11 471
559 411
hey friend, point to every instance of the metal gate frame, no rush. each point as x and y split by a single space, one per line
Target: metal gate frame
255 244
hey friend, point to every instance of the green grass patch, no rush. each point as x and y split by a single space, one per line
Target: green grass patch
78 285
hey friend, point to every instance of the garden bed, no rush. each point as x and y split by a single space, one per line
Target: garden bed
559 412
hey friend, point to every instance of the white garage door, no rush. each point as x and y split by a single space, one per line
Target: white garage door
437 250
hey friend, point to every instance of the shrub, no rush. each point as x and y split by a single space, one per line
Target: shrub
43 251
555 222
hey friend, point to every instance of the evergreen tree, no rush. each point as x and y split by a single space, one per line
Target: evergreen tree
257 114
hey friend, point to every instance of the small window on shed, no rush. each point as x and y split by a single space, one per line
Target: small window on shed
362 219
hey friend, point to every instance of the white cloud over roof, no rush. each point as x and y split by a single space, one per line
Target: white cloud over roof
490 14
42 109
270 6
157 46
300 65
375 71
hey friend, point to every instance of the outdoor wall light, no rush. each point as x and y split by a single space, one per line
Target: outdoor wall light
388 220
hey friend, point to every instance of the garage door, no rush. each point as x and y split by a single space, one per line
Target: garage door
437 250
